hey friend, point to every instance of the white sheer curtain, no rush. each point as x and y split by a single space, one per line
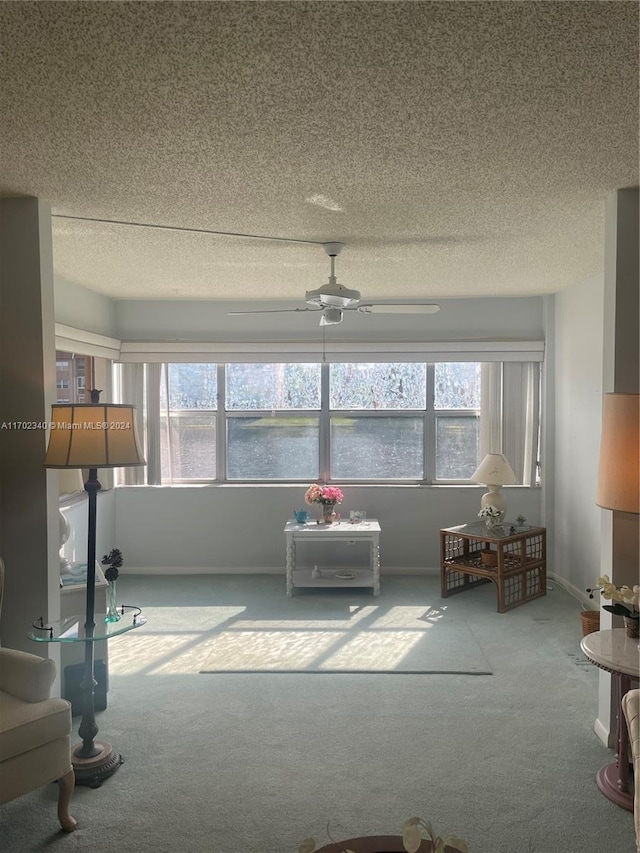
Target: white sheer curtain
132 391
490 408
140 385
521 406
509 415
154 471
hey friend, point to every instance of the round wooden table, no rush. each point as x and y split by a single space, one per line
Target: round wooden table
616 653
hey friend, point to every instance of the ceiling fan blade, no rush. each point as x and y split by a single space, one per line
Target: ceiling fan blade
398 308
274 311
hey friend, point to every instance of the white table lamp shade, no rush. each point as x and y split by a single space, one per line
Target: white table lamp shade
494 470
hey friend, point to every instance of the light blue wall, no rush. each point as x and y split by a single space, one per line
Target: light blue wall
458 319
83 309
578 412
192 528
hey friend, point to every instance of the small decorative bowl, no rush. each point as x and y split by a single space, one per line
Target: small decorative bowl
489 558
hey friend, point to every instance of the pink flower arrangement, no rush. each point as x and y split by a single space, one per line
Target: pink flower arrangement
316 494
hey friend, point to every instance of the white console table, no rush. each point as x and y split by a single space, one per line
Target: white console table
344 532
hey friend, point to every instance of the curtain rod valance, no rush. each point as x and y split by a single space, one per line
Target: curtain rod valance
70 339
153 352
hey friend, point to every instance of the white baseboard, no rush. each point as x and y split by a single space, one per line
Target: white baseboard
257 570
607 737
579 594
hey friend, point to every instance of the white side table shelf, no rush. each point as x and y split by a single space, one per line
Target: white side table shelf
344 532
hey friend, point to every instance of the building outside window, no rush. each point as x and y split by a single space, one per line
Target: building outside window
73 372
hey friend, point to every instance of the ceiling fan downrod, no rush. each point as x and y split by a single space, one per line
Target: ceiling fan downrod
333 250
333 294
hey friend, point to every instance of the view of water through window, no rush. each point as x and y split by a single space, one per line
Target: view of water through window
266 448
275 421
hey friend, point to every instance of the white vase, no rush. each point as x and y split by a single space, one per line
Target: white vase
328 513
495 498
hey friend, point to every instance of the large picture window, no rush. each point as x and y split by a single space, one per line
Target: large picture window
188 423
377 421
405 422
272 421
457 402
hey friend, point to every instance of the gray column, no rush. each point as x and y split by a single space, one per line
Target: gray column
621 372
29 532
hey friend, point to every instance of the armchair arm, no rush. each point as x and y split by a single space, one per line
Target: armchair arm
26 676
631 708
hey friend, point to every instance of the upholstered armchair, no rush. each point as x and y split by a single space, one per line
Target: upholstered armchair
35 746
631 708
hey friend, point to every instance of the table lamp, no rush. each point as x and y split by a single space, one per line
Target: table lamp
494 471
92 435
69 482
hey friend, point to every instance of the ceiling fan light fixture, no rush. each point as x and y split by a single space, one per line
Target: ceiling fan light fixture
331 317
333 296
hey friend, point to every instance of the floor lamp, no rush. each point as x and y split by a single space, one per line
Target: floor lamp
92 435
619 470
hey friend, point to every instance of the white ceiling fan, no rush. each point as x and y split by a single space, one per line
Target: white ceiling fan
333 299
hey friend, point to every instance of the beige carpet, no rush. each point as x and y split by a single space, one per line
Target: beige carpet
400 639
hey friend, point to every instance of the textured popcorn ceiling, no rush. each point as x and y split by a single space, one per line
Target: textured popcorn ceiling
458 149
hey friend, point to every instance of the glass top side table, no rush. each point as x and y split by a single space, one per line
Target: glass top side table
92 761
511 556
71 629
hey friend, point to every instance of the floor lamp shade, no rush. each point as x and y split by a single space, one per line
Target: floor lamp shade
618 475
93 435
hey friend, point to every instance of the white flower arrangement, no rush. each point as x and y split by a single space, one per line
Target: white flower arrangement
414 831
489 512
625 598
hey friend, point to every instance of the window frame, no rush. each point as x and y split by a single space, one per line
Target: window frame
222 416
432 429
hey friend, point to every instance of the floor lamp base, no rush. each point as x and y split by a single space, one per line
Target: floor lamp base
608 780
93 771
